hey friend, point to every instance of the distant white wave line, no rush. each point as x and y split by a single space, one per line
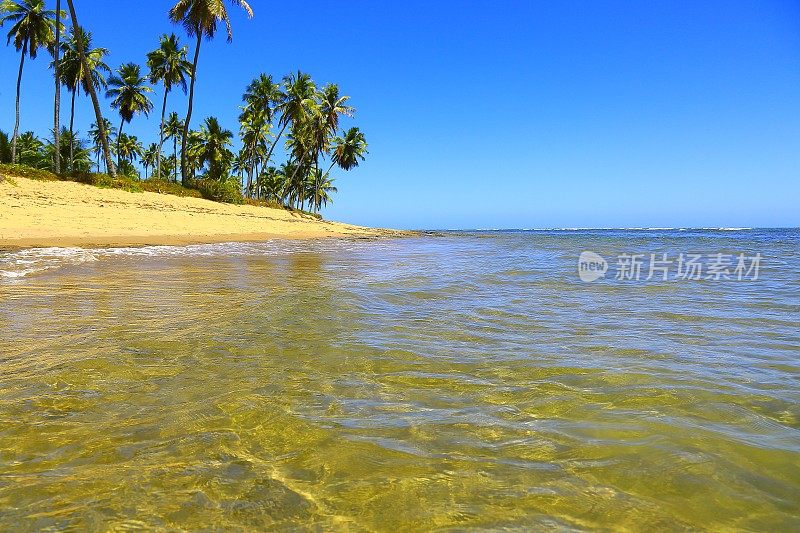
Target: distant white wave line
612 229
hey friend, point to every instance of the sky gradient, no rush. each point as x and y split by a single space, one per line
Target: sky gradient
511 114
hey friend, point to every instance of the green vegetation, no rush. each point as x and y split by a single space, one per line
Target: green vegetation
293 116
10 170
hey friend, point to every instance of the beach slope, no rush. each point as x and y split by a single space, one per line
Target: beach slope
63 213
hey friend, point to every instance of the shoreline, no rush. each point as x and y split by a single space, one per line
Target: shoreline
131 241
41 214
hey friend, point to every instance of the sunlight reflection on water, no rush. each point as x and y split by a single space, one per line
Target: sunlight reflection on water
341 383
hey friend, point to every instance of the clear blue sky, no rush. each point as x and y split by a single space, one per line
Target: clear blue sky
512 113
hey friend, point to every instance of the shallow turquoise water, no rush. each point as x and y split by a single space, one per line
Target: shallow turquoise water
457 380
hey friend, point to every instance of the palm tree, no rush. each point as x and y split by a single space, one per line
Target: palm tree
72 68
325 125
169 165
272 183
194 144
32 28
57 97
130 149
254 131
96 133
129 93
262 94
284 173
70 146
168 65
294 103
262 98
199 18
31 151
150 158
174 128
300 109
240 164
98 114
322 187
5 148
212 148
299 144
349 149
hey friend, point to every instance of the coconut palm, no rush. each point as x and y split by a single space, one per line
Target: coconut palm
240 164
95 134
272 185
5 148
31 151
173 128
212 148
200 18
150 158
325 124
284 173
263 95
169 66
169 165
262 99
98 114
32 27
130 149
299 143
254 132
71 68
349 149
73 150
333 106
294 103
129 91
194 143
322 188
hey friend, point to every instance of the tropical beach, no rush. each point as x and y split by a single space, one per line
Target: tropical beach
45 214
369 266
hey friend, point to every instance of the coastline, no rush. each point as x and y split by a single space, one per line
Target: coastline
35 214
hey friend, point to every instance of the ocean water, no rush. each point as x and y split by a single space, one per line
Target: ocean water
446 381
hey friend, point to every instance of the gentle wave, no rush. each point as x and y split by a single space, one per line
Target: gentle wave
19 264
15 265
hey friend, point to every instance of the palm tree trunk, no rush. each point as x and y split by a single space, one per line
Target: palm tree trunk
251 172
274 143
315 200
258 181
161 132
57 99
300 196
16 123
95 102
119 137
71 132
175 155
184 166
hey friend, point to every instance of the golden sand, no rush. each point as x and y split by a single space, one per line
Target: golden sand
53 213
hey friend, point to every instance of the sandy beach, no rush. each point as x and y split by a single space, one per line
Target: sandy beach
48 213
